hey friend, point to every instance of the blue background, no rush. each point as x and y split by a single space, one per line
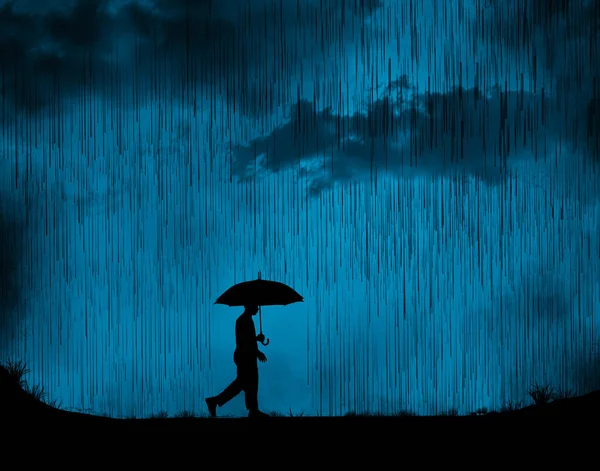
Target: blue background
424 173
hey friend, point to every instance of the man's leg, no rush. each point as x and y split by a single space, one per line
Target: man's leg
250 385
227 395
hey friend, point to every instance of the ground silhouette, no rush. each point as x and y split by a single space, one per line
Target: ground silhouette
20 407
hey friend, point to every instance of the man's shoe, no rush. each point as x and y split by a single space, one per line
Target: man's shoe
256 414
211 403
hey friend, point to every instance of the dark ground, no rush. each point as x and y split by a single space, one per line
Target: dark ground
21 409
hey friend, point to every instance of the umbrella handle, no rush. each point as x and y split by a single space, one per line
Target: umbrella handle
264 342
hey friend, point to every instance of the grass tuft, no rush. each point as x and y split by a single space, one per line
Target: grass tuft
400 413
509 406
37 391
541 394
450 413
17 370
563 394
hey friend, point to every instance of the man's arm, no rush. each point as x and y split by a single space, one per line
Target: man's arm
260 355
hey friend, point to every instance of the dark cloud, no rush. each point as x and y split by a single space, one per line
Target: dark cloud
44 51
566 39
537 26
476 131
462 130
226 45
555 43
80 28
45 54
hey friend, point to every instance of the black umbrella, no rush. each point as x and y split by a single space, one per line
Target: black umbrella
259 293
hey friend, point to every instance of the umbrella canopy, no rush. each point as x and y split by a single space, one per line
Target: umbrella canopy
259 293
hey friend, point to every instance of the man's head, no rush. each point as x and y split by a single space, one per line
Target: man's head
251 309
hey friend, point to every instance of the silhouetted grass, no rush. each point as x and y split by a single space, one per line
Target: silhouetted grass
17 371
450 413
509 406
38 392
541 394
187 415
84 410
401 413
289 414
405 413
563 394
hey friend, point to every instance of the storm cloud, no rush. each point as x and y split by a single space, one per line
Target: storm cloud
247 55
49 52
409 128
470 131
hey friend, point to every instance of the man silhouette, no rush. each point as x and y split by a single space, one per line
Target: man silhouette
245 358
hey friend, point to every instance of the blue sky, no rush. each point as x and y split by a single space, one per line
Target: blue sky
444 239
